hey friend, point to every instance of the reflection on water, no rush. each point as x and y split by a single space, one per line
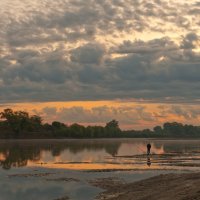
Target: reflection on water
20 153
148 161
99 154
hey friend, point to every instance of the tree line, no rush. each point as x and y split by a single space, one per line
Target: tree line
20 124
18 154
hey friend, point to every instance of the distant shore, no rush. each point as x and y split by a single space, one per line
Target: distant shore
22 125
98 139
166 187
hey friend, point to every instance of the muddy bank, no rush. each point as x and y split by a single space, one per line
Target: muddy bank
165 187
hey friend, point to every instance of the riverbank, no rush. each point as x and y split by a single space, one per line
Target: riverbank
166 187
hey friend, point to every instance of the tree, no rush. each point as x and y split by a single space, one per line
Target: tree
174 128
58 125
19 121
112 128
158 129
77 130
113 124
35 122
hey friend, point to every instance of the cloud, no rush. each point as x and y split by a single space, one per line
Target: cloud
127 115
154 46
190 41
75 50
88 54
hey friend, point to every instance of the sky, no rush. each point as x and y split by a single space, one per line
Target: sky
91 61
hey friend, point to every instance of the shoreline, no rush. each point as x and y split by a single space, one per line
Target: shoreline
184 186
97 139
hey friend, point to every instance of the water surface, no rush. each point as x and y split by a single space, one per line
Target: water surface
51 169
100 154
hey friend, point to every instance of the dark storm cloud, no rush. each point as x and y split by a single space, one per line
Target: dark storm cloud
158 75
66 50
88 54
33 67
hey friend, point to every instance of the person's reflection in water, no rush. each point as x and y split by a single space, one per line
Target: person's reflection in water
148 161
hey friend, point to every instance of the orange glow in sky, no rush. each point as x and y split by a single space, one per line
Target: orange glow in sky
131 115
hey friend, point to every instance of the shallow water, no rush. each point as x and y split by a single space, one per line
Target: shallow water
51 169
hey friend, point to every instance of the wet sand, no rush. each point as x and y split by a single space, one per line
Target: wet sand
163 187
63 198
167 186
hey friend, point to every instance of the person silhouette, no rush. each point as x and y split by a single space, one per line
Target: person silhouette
148 149
148 161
